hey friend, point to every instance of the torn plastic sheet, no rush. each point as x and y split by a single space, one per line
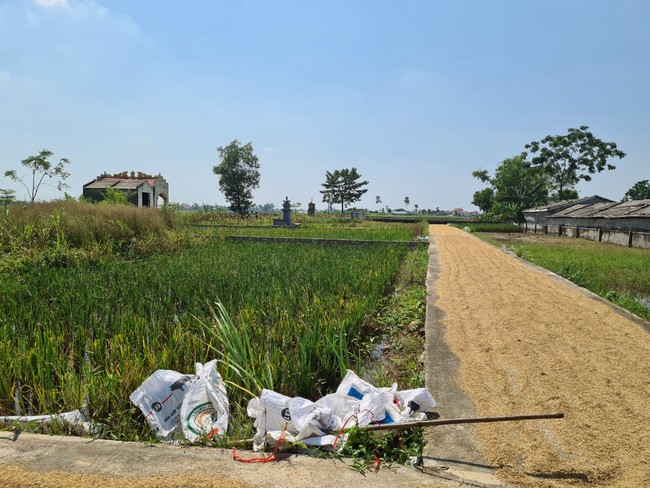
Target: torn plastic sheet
355 402
76 420
181 406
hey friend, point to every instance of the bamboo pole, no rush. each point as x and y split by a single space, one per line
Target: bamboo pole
478 420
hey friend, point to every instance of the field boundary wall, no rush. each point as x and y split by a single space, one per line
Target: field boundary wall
622 237
307 240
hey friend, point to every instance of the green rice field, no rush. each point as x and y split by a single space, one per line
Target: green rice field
89 331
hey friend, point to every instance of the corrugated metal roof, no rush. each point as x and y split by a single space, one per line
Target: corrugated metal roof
554 208
118 183
99 184
614 210
129 184
583 211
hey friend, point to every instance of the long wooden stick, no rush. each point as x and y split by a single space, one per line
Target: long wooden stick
479 420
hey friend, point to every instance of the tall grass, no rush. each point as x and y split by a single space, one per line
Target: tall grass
65 232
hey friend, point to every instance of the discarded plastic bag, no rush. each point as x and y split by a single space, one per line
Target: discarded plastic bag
75 419
204 411
311 419
271 413
414 401
162 396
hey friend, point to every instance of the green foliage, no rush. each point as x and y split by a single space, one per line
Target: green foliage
343 186
567 159
484 199
238 175
401 319
116 197
374 450
516 186
639 191
40 167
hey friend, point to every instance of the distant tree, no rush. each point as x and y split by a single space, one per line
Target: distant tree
239 174
416 207
343 186
407 201
569 158
516 185
40 166
6 197
268 207
378 200
639 191
484 199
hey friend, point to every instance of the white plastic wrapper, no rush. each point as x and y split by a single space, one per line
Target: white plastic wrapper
75 419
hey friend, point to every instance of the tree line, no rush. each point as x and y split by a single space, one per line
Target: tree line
547 171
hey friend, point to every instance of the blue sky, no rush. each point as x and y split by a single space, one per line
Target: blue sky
414 94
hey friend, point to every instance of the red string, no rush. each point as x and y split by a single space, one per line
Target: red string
338 434
268 459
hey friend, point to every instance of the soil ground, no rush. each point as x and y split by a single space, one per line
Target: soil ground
507 338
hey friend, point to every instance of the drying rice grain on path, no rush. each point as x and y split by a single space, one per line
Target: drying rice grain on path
530 342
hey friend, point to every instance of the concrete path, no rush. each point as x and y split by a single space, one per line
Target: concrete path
453 450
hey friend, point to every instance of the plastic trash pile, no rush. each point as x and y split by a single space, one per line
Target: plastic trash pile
195 407
355 403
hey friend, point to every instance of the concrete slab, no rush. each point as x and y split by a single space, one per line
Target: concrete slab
453 449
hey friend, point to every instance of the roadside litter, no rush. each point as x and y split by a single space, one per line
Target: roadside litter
179 406
75 420
280 419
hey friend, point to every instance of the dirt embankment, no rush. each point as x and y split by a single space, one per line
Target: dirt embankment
530 342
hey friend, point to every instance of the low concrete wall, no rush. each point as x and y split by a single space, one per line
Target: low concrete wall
620 237
641 240
589 233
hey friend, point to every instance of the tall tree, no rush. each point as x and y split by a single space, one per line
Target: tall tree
40 167
238 175
639 191
407 201
516 186
484 199
569 158
343 186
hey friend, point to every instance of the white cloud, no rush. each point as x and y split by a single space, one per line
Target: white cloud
268 150
52 3
5 75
